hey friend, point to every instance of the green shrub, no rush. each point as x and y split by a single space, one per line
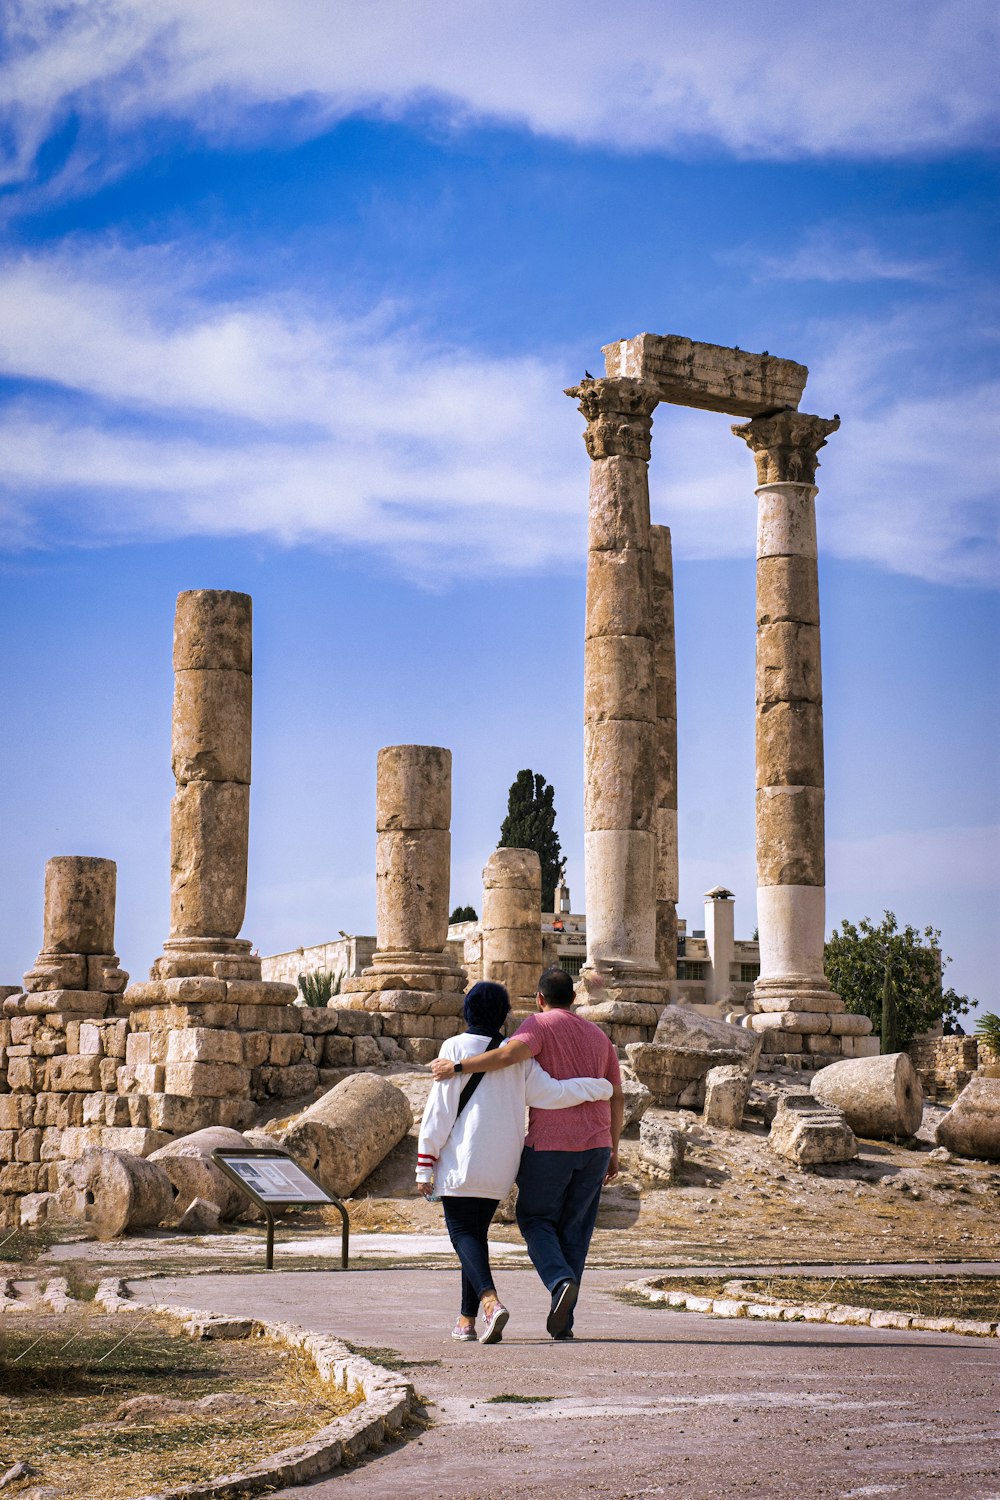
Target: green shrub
319 988
988 1031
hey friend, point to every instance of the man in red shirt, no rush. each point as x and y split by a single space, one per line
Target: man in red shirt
568 1153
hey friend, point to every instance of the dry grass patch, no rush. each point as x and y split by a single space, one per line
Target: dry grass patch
108 1407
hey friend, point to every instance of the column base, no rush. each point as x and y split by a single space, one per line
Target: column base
802 992
627 994
209 957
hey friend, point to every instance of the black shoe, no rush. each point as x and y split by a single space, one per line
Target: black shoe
561 1338
563 1302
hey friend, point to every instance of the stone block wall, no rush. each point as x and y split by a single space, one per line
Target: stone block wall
945 1064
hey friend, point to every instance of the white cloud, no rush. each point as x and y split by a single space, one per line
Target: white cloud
771 79
152 412
831 254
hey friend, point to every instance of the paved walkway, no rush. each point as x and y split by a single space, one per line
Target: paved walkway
646 1402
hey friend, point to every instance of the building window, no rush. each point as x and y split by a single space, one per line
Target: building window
681 946
571 963
690 971
749 972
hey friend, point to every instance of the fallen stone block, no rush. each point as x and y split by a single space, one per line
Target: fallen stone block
345 1134
662 1146
812 1135
637 1101
685 1046
882 1097
972 1125
192 1172
726 1093
200 1217
114 1192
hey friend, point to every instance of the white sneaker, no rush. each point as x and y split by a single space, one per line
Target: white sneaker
495 1325
464 1335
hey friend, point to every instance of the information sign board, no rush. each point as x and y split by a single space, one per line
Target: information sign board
274 1182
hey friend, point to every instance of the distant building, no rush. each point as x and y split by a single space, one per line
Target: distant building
715 970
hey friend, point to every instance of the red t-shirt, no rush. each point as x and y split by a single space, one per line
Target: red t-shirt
567 1046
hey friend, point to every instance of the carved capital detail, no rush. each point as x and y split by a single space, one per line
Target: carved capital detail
619 415
785 446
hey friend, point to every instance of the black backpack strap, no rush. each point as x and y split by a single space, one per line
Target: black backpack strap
475 1079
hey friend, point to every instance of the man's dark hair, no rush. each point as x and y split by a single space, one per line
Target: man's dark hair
556 988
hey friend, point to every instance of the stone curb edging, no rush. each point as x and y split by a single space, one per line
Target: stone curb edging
809 1312
388 1403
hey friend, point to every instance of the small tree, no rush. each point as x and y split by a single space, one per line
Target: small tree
319 987
892 975
464 914
531 824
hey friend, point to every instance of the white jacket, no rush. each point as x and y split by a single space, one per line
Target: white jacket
476 1154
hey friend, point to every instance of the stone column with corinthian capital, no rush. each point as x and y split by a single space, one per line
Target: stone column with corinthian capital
793 1002
624 988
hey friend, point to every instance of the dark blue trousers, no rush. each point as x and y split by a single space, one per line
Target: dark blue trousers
468 1221
558 1195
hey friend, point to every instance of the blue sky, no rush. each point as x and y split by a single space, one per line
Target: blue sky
288 296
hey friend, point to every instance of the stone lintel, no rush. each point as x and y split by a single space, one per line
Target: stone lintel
711 377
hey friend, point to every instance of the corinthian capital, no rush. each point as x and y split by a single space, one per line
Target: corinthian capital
619 416
785 445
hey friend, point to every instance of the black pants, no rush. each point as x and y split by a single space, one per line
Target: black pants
468 1221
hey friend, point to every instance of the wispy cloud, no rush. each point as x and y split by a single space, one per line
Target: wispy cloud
143 408
771 80
831 254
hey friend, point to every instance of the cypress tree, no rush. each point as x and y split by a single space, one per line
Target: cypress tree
531 824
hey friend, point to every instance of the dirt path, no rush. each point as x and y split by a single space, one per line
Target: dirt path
645 1403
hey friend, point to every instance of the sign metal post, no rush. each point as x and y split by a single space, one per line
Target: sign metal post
272 1180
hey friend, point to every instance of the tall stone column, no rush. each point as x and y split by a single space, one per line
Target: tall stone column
621 975
665 804
210 813
512 924
794 1000
412 970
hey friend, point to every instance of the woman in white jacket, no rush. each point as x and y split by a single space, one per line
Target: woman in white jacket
470 1149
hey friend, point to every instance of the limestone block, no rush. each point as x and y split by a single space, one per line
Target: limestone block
769 1004
105 974
512 945
776 1042
709 376
338 1051
972 1126
91 1042
193 1174
57 971
291 1082
211 726
418 1049
514 870
850 1025
319 1022
71 1074
209 830
28 1146
7 1140
789 744
637 1101
200 1217
264 1007
119 1191
805 1021
517 978
256 1048
22 1029
618 514
108 1069
662 1146
727 1090
352 1023
406 1025
787 589
790 834
141 1078
79 912
621 899
412 885
16 1111
345 1134
881 1097
59 1006
24 1177
620 785
413 788
404 1002
866 1046
619 1012
367 1053
786 522
61 1110
686 1045
213 628
823 1046
175 1112
811 1135
202 1044
618 592
788 663
214 1080
618 680
505 908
